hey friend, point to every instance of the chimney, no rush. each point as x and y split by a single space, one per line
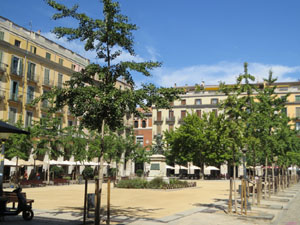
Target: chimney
39 32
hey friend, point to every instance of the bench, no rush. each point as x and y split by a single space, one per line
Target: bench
13 198
58 181
32 183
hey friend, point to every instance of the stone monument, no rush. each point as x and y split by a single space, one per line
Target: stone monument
158 161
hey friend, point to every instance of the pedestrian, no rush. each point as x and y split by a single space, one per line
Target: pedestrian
25 175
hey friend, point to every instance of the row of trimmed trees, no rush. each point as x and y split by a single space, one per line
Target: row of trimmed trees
252 119
47 137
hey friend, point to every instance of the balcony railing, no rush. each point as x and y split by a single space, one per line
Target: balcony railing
33 77
180 120
158 120
48 83
17 72
3 67
15 98
170 119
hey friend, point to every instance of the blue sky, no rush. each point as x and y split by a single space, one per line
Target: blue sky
195 39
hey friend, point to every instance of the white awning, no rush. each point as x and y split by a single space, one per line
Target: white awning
7 162
178 167
211 168
170 167
193 167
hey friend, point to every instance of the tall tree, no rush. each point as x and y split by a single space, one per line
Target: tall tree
92 93
19 145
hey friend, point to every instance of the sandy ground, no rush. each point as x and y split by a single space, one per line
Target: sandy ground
131 202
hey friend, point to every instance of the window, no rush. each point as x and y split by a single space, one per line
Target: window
215 111
30 94
183 102
136 124
159 115
214 101
31 71
140 140
1 35
1 55
47 76
73 67
60 80
70 123
171 114
284 111
14 90
297 125
144 124
283 89
61 62
297 98
45 102
17 66
198 112
12 115
48 55
298 112
28 121
33 49
198 102
183 114
17 43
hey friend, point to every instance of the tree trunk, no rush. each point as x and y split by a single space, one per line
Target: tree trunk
48 171
273 178
234 188
100 177
266 177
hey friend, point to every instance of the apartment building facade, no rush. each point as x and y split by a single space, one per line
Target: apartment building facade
31 65
207 100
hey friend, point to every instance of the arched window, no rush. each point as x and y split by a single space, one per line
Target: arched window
136 124
144 124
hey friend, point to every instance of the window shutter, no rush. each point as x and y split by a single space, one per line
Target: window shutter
1 55
1 35
21 67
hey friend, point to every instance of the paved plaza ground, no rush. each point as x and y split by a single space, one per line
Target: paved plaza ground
203 204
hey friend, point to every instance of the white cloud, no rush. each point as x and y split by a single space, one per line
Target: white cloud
222 71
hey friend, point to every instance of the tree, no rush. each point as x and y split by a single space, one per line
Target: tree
47 132
19 145
92 93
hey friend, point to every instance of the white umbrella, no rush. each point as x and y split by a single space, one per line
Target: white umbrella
54 162
193 167
170 167
180 167
7 162
211 168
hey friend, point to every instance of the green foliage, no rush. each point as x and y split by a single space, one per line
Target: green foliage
19 145
132 183
58 171
156 183
139 172
88 173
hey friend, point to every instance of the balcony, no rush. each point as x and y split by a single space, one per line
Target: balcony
17 72
3 67
33 78
170 120
181 119
48 83
15 97
2 95
158 120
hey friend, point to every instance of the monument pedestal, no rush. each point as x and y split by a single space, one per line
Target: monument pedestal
158 167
